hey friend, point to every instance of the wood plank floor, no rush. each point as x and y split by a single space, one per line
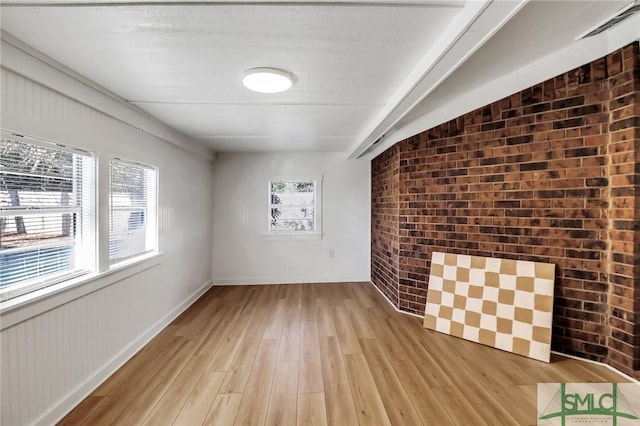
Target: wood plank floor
318 354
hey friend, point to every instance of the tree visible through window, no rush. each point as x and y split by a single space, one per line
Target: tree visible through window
293 206
48 213
46 195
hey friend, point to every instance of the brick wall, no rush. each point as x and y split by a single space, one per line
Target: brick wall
384 222
550 174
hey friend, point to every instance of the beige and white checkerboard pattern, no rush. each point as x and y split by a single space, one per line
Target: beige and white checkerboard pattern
506 304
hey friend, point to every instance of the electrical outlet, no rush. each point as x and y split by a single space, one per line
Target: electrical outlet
332 254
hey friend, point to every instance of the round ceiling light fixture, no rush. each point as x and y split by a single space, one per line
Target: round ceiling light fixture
267 80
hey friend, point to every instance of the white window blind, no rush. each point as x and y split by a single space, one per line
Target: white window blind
294 206
47 214
132 210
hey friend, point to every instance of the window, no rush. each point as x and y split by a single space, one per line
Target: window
294 206
49 220
47 214
132 210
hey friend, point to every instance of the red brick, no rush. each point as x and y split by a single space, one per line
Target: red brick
548 174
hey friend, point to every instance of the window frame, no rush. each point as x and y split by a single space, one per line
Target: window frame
84 250
317 181
150 213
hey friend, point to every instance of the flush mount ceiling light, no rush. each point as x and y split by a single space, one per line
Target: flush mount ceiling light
267 80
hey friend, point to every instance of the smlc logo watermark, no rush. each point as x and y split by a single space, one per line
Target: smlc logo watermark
616 404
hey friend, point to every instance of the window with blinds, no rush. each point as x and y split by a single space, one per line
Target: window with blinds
294 206
47 214
132 205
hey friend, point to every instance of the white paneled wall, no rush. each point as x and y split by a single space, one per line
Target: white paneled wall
51 360
244 254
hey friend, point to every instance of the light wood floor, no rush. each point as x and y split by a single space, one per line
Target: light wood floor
318 354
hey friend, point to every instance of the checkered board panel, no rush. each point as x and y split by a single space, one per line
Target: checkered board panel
506 304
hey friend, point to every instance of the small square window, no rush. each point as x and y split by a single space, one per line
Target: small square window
294 206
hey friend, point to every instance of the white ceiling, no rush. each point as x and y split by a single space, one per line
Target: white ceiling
361 66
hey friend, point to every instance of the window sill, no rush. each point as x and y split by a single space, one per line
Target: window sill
293 236
23 307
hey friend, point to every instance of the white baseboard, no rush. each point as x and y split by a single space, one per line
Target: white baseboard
289 280
392 305
68 403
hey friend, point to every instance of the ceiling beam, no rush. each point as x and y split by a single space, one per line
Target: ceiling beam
513 80
472 27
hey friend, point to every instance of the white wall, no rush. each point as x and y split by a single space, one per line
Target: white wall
242 254
54 353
